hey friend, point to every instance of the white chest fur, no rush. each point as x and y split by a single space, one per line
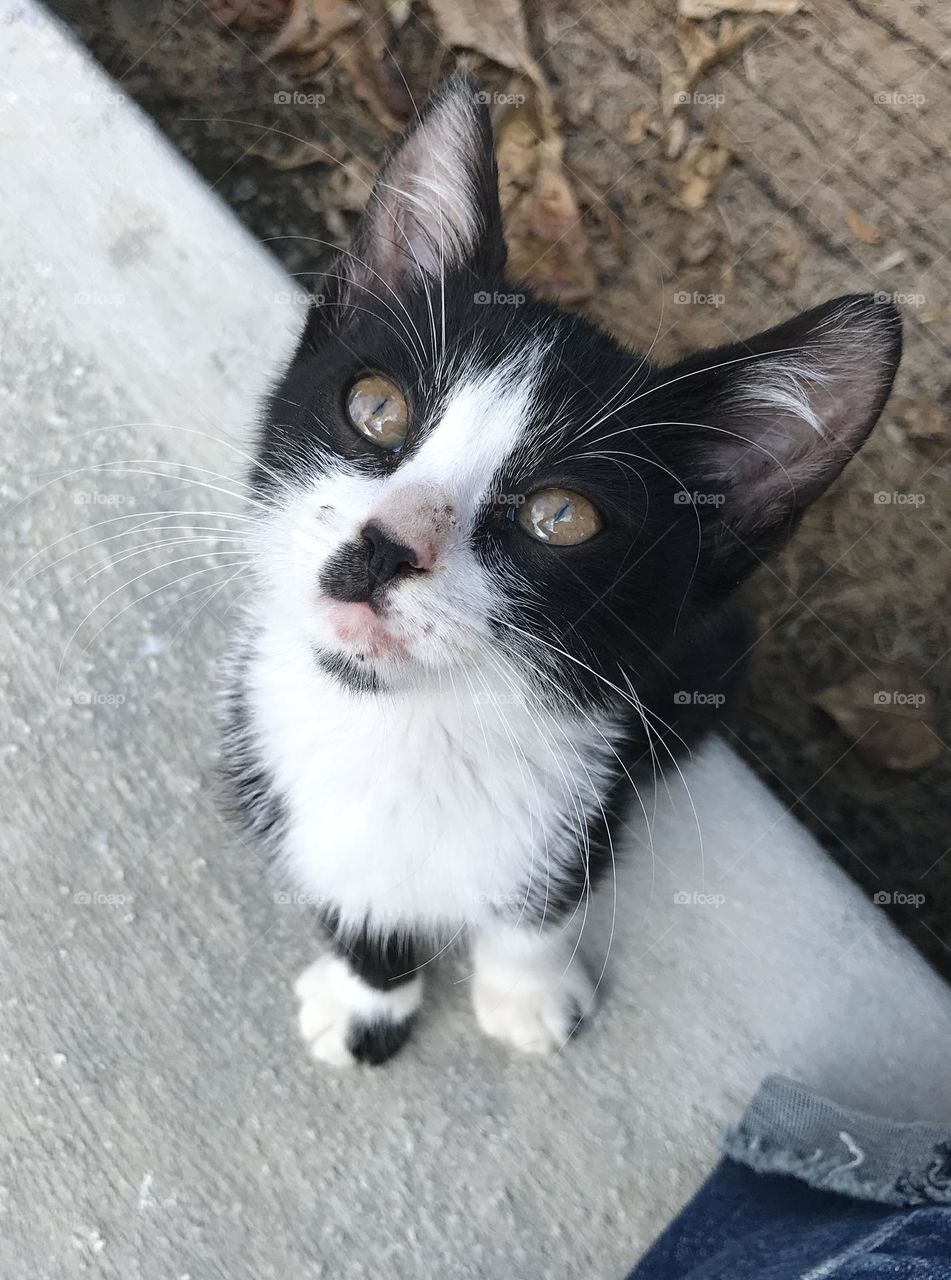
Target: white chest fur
428 810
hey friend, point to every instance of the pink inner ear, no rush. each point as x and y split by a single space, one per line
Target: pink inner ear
803 413
435 201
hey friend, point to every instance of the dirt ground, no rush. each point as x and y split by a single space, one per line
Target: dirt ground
687 174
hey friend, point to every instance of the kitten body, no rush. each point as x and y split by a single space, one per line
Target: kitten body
468 645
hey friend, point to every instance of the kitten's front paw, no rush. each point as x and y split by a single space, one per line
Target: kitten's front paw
345 1021
533 1013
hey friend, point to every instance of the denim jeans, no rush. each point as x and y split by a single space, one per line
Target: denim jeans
811 1191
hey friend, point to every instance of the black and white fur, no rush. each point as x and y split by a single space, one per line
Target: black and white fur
447 750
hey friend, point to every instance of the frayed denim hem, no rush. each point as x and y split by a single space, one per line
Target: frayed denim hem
788 1129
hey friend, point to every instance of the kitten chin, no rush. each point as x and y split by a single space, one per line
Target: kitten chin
496 563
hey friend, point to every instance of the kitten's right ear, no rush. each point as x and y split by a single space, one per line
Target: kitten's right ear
777 418
434 208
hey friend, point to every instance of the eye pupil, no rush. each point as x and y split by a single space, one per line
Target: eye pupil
559 517
377 409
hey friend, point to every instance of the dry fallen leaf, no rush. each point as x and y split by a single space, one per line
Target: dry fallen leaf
322 33
703 165
248 15
547 241
862 229
494 28
311 26
781 267
701 50
699 243
886 712
925 423
675 137
637 123
703 9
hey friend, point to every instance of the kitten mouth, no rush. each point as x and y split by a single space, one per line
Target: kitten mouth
362 631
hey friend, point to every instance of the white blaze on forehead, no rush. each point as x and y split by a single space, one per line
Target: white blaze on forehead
484 420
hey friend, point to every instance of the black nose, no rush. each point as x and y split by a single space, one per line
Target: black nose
387 559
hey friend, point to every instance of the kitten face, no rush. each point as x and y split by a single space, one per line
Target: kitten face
463 476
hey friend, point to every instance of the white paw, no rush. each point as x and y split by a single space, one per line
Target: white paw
325 1012
533 1013
344 1021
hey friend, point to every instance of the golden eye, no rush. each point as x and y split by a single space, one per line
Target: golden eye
377 409
559 517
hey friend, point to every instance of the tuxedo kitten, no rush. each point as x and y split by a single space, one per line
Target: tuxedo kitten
494 564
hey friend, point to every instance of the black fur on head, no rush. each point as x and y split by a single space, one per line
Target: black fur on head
698 470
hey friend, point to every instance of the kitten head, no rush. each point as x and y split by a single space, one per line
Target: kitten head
463 478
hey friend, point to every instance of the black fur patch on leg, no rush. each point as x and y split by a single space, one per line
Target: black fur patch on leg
375 1042
383 962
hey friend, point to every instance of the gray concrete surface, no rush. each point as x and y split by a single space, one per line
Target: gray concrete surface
158 1117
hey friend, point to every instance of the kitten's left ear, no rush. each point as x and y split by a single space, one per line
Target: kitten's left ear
777 419
434 206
